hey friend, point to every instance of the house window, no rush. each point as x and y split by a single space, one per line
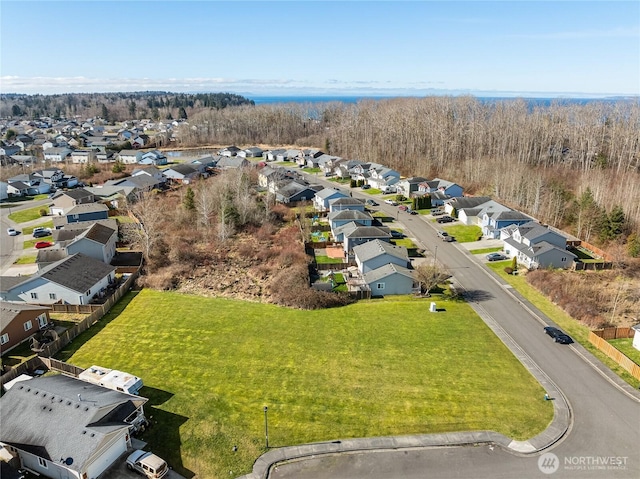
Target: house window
379 285
88 292
34 295
563 259
42 462
28 325
52 295
4 339
42 320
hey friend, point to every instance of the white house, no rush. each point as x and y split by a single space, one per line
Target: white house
62 427
76 279
129 157
536 246
57 154
323 198
636 336
83 156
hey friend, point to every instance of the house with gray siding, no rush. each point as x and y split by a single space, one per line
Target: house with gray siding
390 279
375 254
76 279
62 427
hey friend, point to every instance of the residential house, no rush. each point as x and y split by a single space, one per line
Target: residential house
113 196
7 150
27 184
493 222
231 162
77 279
291 191
57 154
181 173
83 156
375 254
440 190
204 164
98 242
355 234
636 336
453 205
60 227
382 178
390 279
474 215
229 151
129 157
275 155
82 212
62 427
4 190
24 160
140 141
151 171
339 218
252 152
536 246
105 156
153 157
408 186
322 200
346 204
20 321
54 176
65 200
139 183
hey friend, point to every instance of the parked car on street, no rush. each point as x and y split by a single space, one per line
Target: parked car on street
41 232
147 464
391 202
43 244
445 219
495 257
558 335
444 236
371 203
403 207
366 187
396 234
12 232
436 212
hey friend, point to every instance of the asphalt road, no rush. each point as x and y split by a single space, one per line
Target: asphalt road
606 426
11 246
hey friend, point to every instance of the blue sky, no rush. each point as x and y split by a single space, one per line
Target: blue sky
533 48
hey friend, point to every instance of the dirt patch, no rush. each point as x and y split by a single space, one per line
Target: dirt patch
335 252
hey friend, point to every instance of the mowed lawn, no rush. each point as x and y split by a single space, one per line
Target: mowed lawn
375 368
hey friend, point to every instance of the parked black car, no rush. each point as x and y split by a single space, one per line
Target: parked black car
445 219
558 336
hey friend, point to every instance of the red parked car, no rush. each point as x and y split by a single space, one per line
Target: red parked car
43 244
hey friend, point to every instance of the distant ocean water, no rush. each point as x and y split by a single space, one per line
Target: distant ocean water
354 99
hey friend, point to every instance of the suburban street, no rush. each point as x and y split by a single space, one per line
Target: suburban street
606 419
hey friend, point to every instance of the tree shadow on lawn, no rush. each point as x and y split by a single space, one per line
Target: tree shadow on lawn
164 434
70 349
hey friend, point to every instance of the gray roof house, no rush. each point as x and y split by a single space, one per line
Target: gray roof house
290 191
323 198
346 204
60 426
76 279
493 222
339 218
226 163
390 279
181 173
407 186
82 212
356 234
98 242
375 254
536 246
473 216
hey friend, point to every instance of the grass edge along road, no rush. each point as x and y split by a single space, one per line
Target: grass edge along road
573 328
374 368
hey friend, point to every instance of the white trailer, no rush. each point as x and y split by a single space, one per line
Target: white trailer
112 379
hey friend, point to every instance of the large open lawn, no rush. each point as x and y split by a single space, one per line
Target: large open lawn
379 367
31 214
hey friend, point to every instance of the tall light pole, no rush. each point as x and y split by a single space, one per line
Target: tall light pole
266 426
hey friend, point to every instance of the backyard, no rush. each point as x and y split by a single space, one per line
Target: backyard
380 367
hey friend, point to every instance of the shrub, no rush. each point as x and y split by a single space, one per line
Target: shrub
43 212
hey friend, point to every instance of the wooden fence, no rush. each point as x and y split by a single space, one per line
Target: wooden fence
65 338
615 354
614 333
62 367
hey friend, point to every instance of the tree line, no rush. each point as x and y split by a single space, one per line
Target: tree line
540 159
115 106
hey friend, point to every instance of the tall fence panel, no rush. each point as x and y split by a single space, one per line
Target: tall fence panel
614 333
615 354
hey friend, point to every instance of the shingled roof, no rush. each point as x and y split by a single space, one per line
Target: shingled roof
77 273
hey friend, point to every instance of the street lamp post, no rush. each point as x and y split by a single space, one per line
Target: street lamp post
266 426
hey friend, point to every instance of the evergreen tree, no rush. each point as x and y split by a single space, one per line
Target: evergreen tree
189 200
182 113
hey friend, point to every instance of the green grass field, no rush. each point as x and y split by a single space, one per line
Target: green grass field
625 346
576 330
464 233
30 259
31 214
380 367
